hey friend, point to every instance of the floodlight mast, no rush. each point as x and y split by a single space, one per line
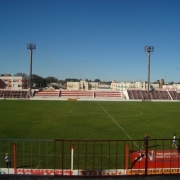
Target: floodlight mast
31 47
148 49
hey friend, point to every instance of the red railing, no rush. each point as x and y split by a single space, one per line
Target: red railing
114 158
91 157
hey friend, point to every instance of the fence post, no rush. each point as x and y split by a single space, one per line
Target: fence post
127 158
72 156
146 163
14 147
62 157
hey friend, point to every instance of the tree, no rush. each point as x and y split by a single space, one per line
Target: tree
38 81
171 83
5 74
72 80
51 80
21 74
97 80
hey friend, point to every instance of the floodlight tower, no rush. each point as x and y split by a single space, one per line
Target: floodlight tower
31 47
149 49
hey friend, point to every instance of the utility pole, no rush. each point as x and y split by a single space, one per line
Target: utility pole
31 47
148 49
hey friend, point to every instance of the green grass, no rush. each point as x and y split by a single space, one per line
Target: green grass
82 120
87 120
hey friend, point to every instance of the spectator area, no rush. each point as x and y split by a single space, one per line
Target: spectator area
175 95
76 93
153 95
112 94
13 93
46 93
131 94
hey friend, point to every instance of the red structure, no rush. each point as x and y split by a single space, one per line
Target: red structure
155 159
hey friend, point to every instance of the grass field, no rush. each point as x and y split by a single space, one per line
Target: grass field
86 120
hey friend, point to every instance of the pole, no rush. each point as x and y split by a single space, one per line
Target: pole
30 80
146 161
72 156
127 157
31 47
148 70
14 147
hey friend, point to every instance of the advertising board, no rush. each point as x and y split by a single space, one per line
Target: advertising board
155 159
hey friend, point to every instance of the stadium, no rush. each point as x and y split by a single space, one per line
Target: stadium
16 87
89 133
88 129
58 120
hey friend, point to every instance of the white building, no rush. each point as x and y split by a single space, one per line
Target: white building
122 86
82 85
13 82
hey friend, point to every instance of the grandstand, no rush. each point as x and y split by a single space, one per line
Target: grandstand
130 94
153 95
111 94
46 93
13 93
78 94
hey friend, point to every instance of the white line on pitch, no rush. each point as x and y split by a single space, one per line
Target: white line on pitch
117 124
38 164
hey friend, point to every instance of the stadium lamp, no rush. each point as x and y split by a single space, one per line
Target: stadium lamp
149 49
31 47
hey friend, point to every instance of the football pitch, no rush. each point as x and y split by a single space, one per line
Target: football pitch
88 120
82 120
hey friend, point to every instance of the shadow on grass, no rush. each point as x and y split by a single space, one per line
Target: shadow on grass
157 145
25 166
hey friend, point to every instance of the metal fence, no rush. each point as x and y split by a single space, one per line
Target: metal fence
89 157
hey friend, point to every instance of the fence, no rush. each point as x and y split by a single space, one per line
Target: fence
89 157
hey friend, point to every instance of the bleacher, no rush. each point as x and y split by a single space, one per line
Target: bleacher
153 95
76 93
145 95
47 93
108 94
174 95
4 93
133 94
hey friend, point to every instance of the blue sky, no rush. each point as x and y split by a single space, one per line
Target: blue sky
91 39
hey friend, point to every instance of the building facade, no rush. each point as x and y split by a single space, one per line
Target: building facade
123 86
82 85
13 82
